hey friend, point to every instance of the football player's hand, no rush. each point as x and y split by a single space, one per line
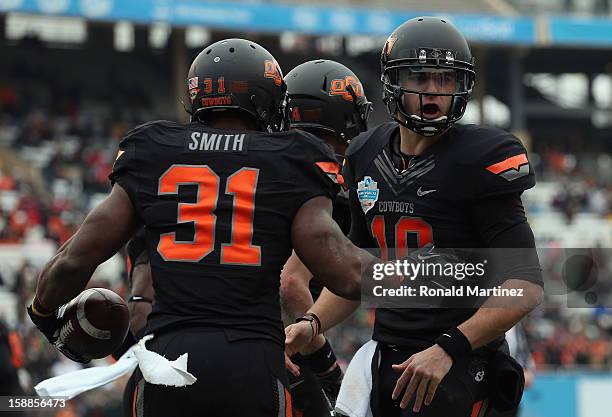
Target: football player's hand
421 374
330 383
69 353
297 337
291 367
50 326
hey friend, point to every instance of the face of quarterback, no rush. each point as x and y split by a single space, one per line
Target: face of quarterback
428 80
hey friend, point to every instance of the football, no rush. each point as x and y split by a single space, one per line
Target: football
96 323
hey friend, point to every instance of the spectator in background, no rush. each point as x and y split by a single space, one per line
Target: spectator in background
6 182
11 358
571 200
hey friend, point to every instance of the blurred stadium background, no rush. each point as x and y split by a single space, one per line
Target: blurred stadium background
75 75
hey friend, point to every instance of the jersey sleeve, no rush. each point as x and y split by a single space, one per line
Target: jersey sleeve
319 170
128 167
124 170
504 167
502 225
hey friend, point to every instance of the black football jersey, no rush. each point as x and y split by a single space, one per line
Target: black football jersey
429 199
137 251
218 207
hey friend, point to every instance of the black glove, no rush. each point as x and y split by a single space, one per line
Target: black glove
330 382
320 362
51 327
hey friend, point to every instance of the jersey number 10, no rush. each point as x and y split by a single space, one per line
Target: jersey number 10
242 185
405 226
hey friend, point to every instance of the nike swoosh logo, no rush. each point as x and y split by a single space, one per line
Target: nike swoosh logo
291 386
421 193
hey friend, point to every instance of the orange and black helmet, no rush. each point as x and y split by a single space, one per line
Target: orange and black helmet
326 96
417 49
238 74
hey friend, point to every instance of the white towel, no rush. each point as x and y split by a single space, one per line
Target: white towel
354 396
74 383
158 370
155 369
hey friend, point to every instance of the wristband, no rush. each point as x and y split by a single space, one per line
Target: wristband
321 360
38 309
315 323
139 299
454 343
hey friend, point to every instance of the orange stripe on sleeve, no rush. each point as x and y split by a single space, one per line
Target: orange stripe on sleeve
514 162
331 168
340 179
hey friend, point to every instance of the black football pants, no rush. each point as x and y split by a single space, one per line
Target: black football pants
239 378
462 392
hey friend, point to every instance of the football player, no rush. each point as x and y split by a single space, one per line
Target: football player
223 200
140 304
421 180
326 99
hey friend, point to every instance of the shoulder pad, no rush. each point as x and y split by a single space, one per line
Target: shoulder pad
318 171
310 144
308 137
472 143
497 160
151 125
371 137
159 131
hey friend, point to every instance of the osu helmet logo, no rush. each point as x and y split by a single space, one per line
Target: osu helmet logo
273 71
389 46
348 87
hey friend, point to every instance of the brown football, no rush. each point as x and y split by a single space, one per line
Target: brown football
97 321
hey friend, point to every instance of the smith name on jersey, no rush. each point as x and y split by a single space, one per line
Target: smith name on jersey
218 207
437 197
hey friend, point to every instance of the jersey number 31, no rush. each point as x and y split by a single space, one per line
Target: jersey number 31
242 185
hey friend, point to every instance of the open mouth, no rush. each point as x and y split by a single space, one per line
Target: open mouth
431 111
